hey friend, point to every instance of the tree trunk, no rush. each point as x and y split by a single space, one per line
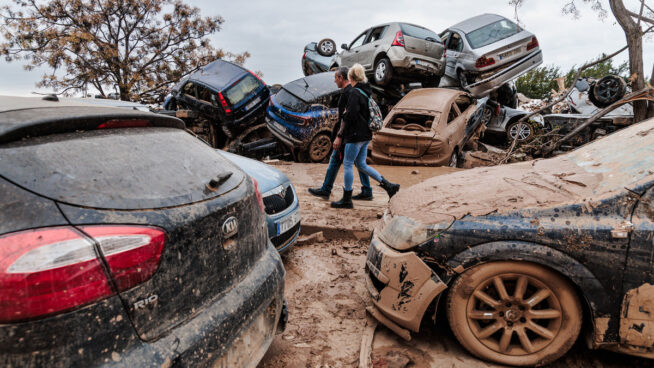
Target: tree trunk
650 108
635 42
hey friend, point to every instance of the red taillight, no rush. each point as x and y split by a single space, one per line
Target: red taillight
304 56
223 102
115 124
258 193
301 120
532 44
399 39
484 62
51 270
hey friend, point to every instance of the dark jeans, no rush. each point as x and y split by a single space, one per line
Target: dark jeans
335 162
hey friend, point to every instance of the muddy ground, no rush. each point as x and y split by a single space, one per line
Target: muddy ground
326 292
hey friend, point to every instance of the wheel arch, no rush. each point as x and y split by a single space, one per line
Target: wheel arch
378 57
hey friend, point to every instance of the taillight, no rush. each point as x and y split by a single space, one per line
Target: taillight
223 102
301 120
484 62
399 39
532 44
51 270
304 56
115 124
258 194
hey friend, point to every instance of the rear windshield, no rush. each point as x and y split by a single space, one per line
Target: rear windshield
242 89
419 32
290 102
492 33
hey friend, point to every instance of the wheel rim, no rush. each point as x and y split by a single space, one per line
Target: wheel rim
514 314
521 130
462 80
380 72
327 47
320 148
608 89
453 160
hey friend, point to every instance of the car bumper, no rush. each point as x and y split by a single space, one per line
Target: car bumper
235 330
279 131
401 287
283 240
522 66
409 63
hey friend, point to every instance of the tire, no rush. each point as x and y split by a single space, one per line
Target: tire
383 72
607 91
319 148
525 132
463 80
326 47
532 327
431 82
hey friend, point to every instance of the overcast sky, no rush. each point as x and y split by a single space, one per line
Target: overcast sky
275 32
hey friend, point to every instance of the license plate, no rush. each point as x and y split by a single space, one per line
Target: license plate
509 53
252 103
279 126
288 222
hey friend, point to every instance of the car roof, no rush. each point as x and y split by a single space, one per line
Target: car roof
218 74
21 117
433 99
313 86
477 22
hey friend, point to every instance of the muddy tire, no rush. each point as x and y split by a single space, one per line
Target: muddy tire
319 148
463 80
383 72
326 47
607 90
514 313
524 131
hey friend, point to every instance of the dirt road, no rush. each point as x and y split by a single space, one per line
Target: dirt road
327 297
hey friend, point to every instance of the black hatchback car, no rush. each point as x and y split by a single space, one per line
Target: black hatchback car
226 94
124 240
526 254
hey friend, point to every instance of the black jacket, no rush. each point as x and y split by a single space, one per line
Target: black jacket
342 103
355 119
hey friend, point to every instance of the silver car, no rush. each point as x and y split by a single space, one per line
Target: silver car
396 51
487 51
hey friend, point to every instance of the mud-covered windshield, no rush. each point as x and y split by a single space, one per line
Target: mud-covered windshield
243 88
492 33
290 102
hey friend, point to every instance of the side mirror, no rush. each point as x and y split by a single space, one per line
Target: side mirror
344 47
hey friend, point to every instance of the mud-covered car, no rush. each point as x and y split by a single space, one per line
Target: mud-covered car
488 50
230 97
396 51
429 126
303 115
522 256
279 199
126 241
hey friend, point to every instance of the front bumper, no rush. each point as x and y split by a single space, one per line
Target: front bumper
276 129
400 284
522 66
283 240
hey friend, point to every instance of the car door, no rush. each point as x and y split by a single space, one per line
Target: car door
454 46
207 102
350 56
637 315
187 96
452 130
368 50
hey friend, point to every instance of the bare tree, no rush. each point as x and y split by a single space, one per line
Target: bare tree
630 22
136 46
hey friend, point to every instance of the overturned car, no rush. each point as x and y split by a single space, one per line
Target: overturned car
552 243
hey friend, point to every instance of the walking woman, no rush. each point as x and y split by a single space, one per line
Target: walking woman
356 136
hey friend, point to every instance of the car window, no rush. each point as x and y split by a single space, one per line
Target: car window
401 120
290 102
418 32
358 41
189 89
453 114
492 33
463 102
242 89
455 43
204 93
444 36
377 34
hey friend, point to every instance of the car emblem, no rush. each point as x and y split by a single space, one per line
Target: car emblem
282 192
230 227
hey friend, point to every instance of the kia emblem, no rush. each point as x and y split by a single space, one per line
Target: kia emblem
230 227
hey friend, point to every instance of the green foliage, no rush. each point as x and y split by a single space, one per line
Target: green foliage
539 82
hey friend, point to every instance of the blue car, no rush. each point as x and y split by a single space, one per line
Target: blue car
279 199
303 114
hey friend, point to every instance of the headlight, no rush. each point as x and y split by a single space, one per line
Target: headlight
276 190
403 233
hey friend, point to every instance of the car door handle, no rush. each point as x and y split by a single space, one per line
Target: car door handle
376 45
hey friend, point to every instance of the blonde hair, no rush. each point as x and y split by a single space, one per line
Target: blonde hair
357 74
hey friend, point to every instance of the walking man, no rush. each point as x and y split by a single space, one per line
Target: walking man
336 159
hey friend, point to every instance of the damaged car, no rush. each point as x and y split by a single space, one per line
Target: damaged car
520 257
502 121
429 126
303 114
126 241
486 51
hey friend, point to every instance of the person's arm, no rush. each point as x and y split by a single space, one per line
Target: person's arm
351 112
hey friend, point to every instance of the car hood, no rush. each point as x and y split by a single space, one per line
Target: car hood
267 176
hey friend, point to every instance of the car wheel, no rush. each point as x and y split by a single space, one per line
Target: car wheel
524 132
463 80
432 82
454 159
319 147
514 313
383 72
607 90
326 47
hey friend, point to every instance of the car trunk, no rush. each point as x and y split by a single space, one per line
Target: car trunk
244 95
405 135
515 48
422 41
157 177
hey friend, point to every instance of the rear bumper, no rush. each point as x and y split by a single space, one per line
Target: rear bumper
283 135
486 86
407 63
383 159
235 330
401 286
